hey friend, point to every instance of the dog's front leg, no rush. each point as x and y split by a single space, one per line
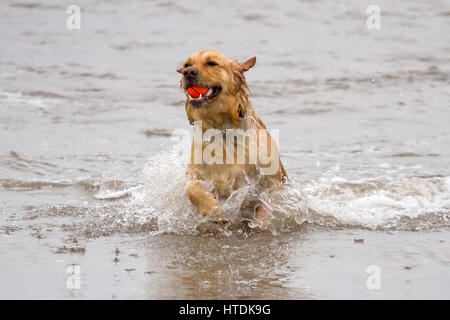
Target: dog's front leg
204 200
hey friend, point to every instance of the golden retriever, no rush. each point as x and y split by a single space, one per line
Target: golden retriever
217 99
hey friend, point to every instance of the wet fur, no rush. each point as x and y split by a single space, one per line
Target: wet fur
231 109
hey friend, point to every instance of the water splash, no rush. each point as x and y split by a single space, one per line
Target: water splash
408 203
160 204
164 191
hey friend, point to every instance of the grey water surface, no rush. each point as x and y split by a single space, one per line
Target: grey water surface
363 119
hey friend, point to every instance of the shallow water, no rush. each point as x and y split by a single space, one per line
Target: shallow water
363 121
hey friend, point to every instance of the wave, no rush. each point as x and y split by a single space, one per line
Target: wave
159 204
383 203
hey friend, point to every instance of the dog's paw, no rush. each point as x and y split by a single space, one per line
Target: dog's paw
210 207
262 216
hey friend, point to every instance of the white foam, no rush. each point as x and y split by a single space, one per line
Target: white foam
106 195
164 198
375 202
20 100
372 202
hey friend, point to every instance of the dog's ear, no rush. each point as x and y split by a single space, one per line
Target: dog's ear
245 66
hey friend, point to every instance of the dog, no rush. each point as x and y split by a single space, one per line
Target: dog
217 100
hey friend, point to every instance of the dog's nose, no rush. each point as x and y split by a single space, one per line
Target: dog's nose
190 72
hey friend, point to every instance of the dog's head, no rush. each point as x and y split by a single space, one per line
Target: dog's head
210 80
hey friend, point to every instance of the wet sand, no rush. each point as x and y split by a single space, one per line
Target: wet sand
311 264
363 120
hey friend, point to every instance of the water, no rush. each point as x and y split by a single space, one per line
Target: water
363 119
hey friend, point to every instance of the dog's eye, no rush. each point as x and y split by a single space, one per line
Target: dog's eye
212 63
187 65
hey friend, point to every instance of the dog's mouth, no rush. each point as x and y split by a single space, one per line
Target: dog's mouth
199 95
